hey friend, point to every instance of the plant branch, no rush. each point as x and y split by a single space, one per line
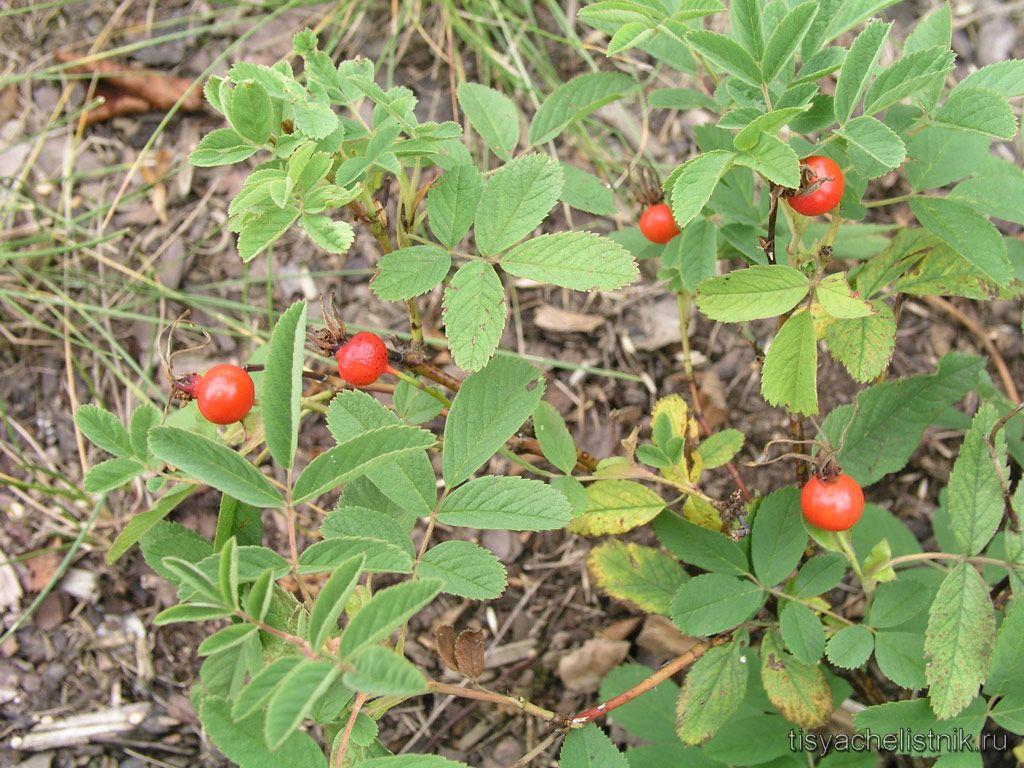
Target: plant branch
300 643
482 694
979 332
676 665
346 736
925 556
990 443
683 305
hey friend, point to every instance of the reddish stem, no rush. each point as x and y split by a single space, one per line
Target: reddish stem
676 665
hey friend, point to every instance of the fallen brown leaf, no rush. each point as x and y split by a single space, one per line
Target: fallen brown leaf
43 567
583 669
142 90
557 320
662 638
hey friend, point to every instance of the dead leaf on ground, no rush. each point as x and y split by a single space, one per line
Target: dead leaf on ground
42 567
153 172
583 668
662 638
712 397
556 320
138 91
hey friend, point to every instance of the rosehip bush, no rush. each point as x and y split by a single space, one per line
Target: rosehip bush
798 600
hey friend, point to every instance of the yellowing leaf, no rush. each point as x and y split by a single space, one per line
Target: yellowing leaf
616 506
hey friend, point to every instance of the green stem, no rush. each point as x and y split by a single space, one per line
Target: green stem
888 201
843 539
683 303
414 382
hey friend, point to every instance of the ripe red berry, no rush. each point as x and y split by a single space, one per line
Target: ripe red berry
824 197
834 505
362 359
225 394
657 224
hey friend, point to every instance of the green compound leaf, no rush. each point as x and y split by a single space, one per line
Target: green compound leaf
752 294
515 200
576 99
464 569
410 272
213 464
714 602
474 314
475 429
581 261
506 503
790 374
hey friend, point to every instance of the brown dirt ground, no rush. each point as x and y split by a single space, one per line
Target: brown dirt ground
90 645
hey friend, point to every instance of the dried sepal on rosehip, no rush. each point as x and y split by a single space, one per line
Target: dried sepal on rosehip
821 186
831 499
224 394
656 222
362 359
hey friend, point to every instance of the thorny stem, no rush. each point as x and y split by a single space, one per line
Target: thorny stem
298 642
990 443
813 606
482 694
293 549
683 304
768 243
357 705
676 665
925 556
414 382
